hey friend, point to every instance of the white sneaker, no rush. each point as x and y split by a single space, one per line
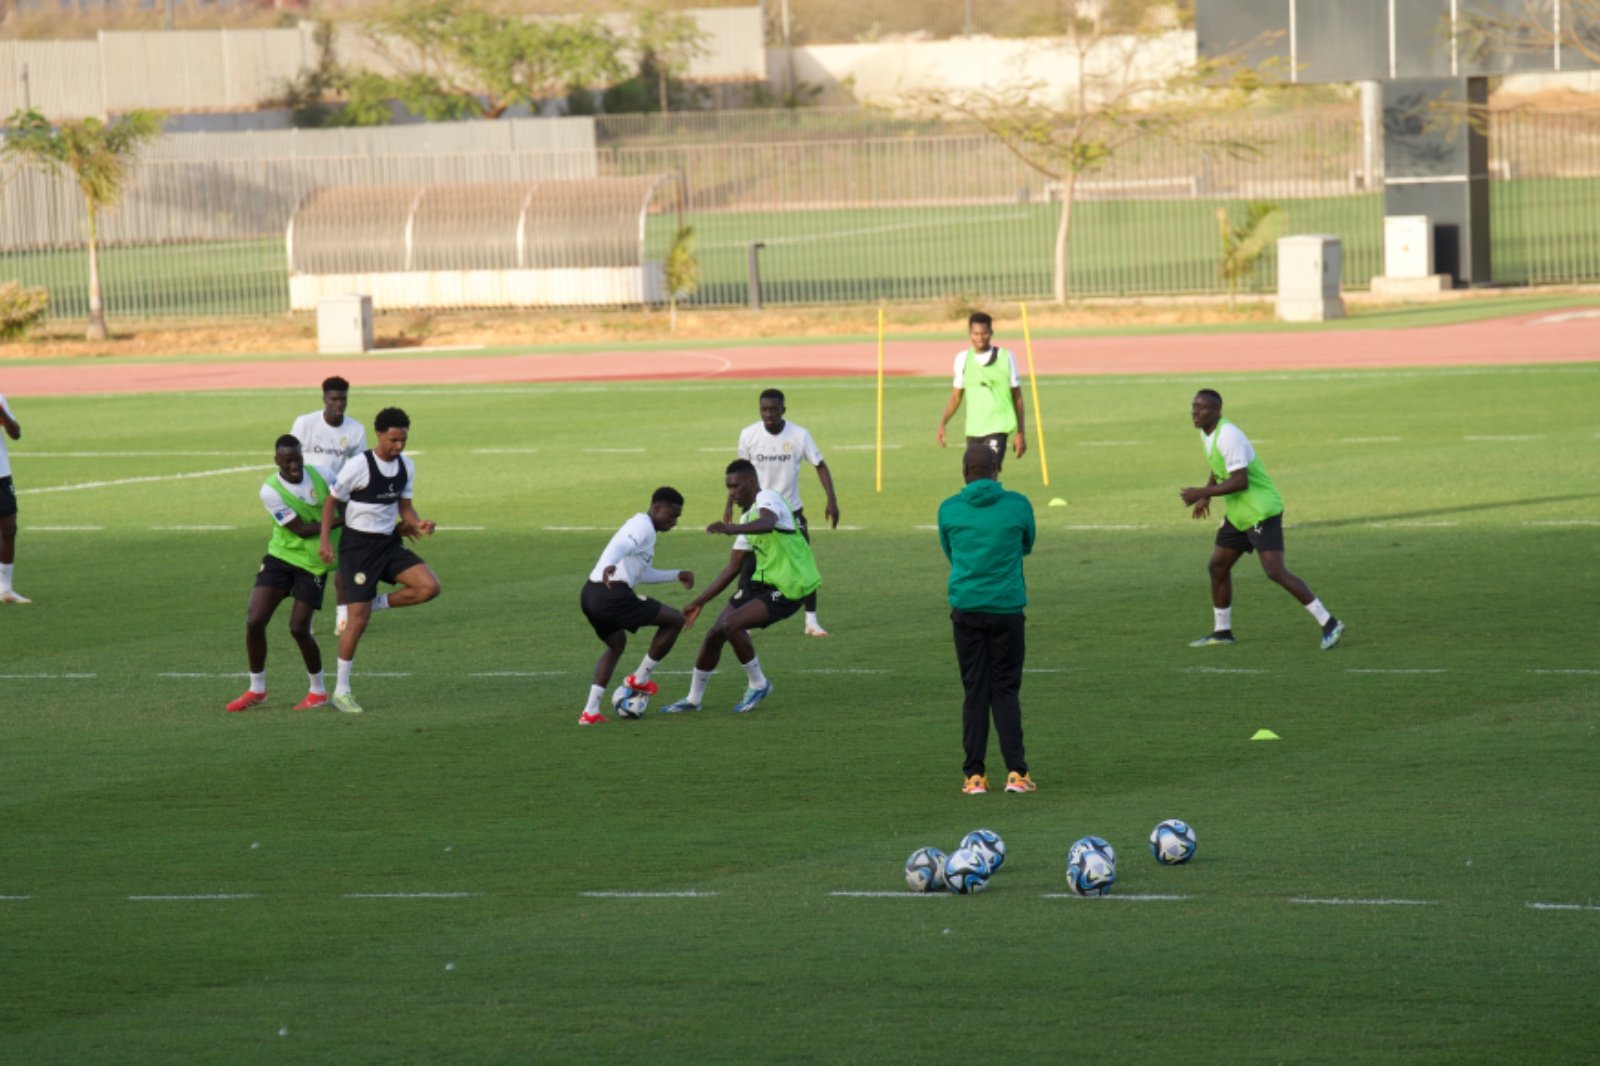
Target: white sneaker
11 596
815 630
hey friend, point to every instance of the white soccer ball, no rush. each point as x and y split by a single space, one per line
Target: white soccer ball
988 843
629 702
925 870
966 871
1091 866
1172 842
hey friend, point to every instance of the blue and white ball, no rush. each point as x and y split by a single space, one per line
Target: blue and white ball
925 870
1172 842
988 844
966 871
1091 866
629 702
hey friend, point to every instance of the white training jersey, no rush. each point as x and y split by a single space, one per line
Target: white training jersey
631 550
1002 353
1232 444
329 446
274 502
777 457
5 458
767 500
371 517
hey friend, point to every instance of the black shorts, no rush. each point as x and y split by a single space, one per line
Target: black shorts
616 608
295 581
779 606
1267 536
368 558
8 497
997 443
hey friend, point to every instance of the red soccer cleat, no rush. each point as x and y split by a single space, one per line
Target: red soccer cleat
643 688
592 719
247 701
312 701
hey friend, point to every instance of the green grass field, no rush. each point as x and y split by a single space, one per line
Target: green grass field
1445 755
1544 230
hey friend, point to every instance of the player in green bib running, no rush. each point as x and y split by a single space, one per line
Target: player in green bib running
1254 521
293 497
785 574
986 376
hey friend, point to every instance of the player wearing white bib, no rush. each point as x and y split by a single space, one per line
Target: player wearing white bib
777 448
329 438
614 609
376 488
8 509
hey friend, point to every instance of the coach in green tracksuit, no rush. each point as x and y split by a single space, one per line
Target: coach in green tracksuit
987 377
985 530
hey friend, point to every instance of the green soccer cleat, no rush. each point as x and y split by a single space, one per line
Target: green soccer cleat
1221 636
345 702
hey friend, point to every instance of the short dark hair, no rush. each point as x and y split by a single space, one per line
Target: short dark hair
288 440
741 466
981 456
1213 393
335 384
773 394
980 318
667 494
391 418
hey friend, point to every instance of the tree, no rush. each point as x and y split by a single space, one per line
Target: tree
1528 26
1121 98
1244 242
669 43
682 269
461 58
97 156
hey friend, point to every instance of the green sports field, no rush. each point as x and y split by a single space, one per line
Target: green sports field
459 875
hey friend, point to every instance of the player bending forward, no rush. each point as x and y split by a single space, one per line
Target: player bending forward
612 606
785 574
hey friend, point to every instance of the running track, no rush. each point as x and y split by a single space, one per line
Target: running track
1564 337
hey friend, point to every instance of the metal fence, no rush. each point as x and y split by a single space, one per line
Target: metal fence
829 207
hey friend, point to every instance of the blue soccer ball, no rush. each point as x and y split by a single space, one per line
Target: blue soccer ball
988 843
966 871
1091 866
925 870
1172 842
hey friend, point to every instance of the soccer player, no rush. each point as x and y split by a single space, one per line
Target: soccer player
985 531
1253 522
611 605
293 497
777 448
983 373
8 509
376 489
784 574
330 438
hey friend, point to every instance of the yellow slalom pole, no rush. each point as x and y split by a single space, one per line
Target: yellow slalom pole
1033 382
880 398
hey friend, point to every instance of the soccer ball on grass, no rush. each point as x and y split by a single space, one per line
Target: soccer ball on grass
1172 842
1091 866
925 870
987 843
966 871
629 702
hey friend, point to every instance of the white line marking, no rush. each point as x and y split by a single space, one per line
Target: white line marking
146 480
46 677
1367 440
1413 525
409 895
14 899
1530 906
924 527
573 529
841 671
691 894
214 895
143 455
1222 670
1054 669
194 529
521 673
1111 443
461 529
503 451
1565 316
860 447
189 676
613 451
1358 670
1107 527
1368 902
64 529
1130 896
891 895
1567 522
1564 671
1509 437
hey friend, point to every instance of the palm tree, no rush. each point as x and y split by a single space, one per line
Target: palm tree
97 155
682 270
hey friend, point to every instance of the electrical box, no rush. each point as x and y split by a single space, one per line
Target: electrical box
1407 246
1309 266
344 324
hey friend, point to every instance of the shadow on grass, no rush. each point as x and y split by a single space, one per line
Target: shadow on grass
1335 523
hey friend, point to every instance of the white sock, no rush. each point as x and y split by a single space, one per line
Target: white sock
380 602
752 670
317 686
1319 612
258 683
342 686
697 685
596 693
343 613
1224 618
5 576
811 620
646 668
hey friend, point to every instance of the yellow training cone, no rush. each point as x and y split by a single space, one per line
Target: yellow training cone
1058 502
1265 734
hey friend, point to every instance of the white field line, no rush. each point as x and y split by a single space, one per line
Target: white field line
1090 527
907 894
1221 670
1567 522
861 447
143 455
14 899
574 529
503 451
257 468
1368 440
205 896
614 451
65 529
1530 906
1413 525
692 893
1112 443
46 677
193 529
461 529
1507 437
924 527
1359 670
1367 902
1134 896
522 673
1565 316
1564 671
841 671
208 677
1054 669
409 895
